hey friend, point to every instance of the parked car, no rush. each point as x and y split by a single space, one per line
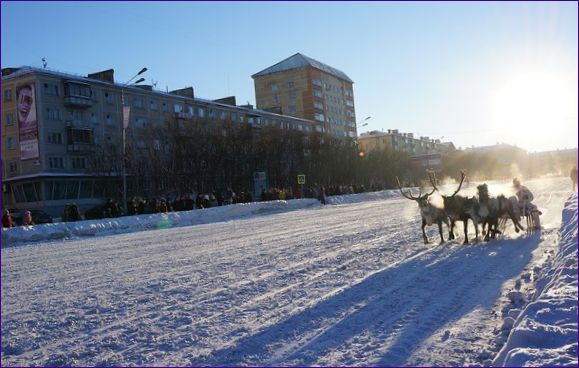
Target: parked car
38 216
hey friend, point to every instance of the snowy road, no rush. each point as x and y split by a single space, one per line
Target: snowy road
348 284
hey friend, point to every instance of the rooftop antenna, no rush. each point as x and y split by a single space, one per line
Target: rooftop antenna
153 83
44 63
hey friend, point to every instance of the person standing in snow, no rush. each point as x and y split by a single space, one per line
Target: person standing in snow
27 219
7 219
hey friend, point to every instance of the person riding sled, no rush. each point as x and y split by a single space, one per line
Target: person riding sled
527 208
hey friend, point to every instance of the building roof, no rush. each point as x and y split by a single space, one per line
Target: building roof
24 70
298 61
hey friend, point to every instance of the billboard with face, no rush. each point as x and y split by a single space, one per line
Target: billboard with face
27 123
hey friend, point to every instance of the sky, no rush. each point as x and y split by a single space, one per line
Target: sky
473 73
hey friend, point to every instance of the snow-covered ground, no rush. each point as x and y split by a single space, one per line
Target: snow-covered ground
291 283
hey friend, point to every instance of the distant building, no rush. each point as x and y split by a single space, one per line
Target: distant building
61 134
558 162
306 88
402 142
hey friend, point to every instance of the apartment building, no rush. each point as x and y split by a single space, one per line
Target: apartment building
401 142
302 87
62 134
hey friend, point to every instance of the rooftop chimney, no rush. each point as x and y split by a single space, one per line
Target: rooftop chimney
185 92
105 75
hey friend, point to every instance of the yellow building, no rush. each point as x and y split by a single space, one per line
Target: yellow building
401 142
306 88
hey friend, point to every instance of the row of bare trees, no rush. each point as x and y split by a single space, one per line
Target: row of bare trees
186 157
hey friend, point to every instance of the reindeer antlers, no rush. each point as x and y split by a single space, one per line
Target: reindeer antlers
409 194
432 177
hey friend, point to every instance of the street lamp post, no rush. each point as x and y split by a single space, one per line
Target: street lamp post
126 112
362 123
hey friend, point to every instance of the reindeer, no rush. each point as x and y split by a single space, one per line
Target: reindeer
493 209
430 214
459 208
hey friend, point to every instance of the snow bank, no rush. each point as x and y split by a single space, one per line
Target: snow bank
64 230
363 197
545 332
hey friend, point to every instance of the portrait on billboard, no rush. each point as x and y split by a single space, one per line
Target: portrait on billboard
27 122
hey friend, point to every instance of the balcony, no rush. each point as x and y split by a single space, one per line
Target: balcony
184 115
80 140
77 101
80 148
77 94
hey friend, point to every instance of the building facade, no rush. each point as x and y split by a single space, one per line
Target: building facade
62 135
401 142
302 87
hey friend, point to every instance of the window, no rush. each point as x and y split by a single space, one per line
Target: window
319 105
10 143
153 105
75 114
50 89
275 99
210 114
222 115
292 95
80 136
233 116
157 145
319 117
79 163
165 107
86 189
141 122
13 167
292 108
274 87
178 108
9 118
318 94
7 95
109 119
138 102
55 138
291 84
79 90
93 118
201 112
317 82
108 98
56 162
52 114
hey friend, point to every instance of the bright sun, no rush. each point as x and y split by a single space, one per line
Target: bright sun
531 102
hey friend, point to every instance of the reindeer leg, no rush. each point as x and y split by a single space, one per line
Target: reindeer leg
440 231
423 232
451 230
465 223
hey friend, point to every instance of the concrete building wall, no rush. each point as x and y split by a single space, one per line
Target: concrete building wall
73 135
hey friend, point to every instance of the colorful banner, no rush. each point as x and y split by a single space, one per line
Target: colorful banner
27 123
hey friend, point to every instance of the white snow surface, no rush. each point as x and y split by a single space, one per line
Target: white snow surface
545 332
292 283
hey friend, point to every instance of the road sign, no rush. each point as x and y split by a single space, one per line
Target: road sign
301 179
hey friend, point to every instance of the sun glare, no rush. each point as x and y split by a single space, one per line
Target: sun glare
529 102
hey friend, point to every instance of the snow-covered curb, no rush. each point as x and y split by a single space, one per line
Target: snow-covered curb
119 225
364 197
545 332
